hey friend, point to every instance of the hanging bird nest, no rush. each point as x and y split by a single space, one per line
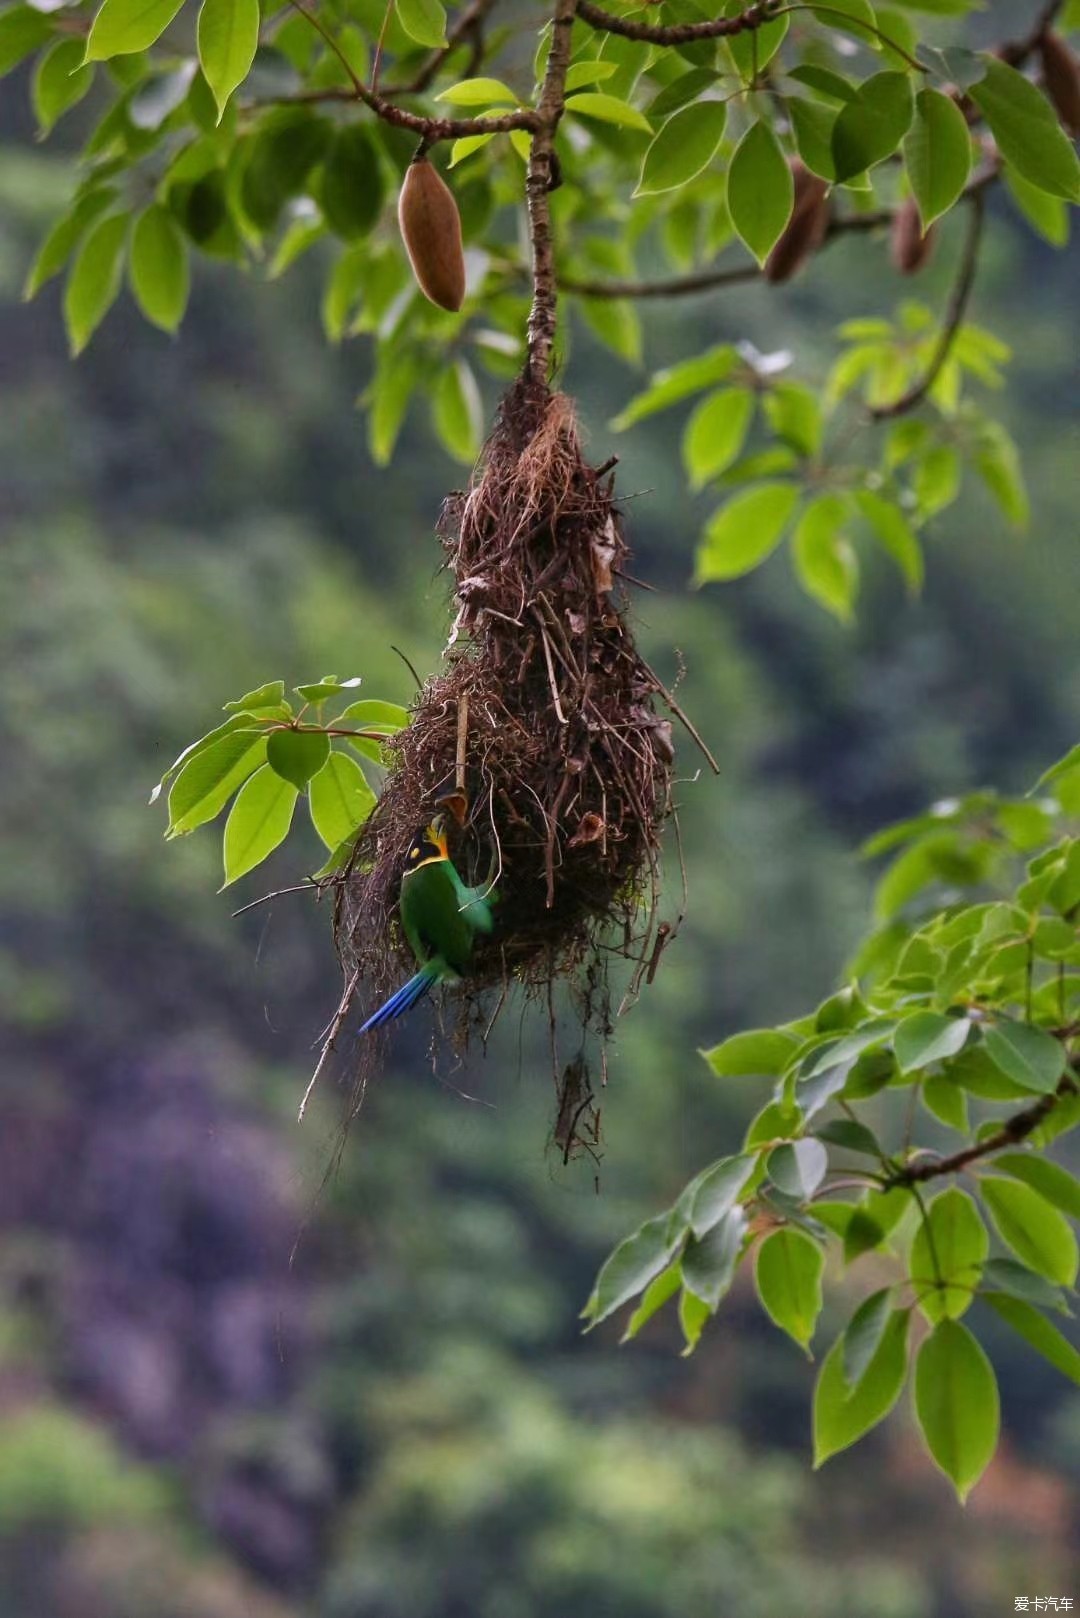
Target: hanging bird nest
543 725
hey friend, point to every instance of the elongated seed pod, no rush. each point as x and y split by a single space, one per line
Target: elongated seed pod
805 230
1061 75
909 248
431 230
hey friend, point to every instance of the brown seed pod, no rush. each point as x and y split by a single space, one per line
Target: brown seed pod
805 230
431 230
909 248
1061 75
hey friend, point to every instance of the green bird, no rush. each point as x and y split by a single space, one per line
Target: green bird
441 917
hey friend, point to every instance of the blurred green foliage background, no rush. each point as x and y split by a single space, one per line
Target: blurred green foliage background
403 1420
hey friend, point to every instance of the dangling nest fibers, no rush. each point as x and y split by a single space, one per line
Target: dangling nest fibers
544 715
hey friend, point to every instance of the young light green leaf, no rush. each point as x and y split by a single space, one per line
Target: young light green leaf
1048 1178
927 1036
788 1279
656 1294
709 1263
843 1413
228 36
1038 1331
94 280
760 1053
937 154
264 699
761 191
956 1402
870 128
297 755
22 30
339 798
1038 1234
1028 1056
947 1255
1027 131
60 81
694 1313
937 479
894 533
1017 1281
158 268
685 145
823 557
716 433
863 1334
943 1097
258 821
423 20
63 238
608 109
210 777
478 93
124 26
717 1191
742 533
629 1269
679 382
798 1167
1048 215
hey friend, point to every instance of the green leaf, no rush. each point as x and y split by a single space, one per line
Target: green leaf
158 268
628 1270
94 280
937 479
678 382
956 1402
863 1334
1046 1177
717 1191
478 93
297 755
812 127
850 1135
824 560
997 461
340 799
22 30
266 698
937 154
60 81
943 1097
760 191
1027 130
228 36
822 79
798 1167
458 413
374 715
279 159
760 1053
608 109
1048 215
329 686
63 238
353 188
788 1279
397 374
927 1036
708 1264
716 433
685 145
124 26
895 534
947 1255
793 413
680 92
1017 1281
210 777
656 1294
742 533
843 1413
754 50
1030 1057
258 821
694 1313
870 128
1039 1332
1038 1234
423 20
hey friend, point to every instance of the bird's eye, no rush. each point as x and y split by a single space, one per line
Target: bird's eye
414 852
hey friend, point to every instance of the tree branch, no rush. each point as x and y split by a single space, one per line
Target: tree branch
706 280
538 186
467 23
1012 1132
674 33
954 315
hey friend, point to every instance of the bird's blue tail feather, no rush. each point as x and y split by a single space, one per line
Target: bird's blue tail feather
406 996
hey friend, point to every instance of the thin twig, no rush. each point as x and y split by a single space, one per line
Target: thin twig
309 885
673 33
468 23
1012 1132
954 316
328 1043
683 718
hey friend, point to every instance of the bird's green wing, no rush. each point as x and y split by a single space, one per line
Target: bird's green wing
432 915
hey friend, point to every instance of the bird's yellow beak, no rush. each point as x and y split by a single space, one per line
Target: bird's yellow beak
436 836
